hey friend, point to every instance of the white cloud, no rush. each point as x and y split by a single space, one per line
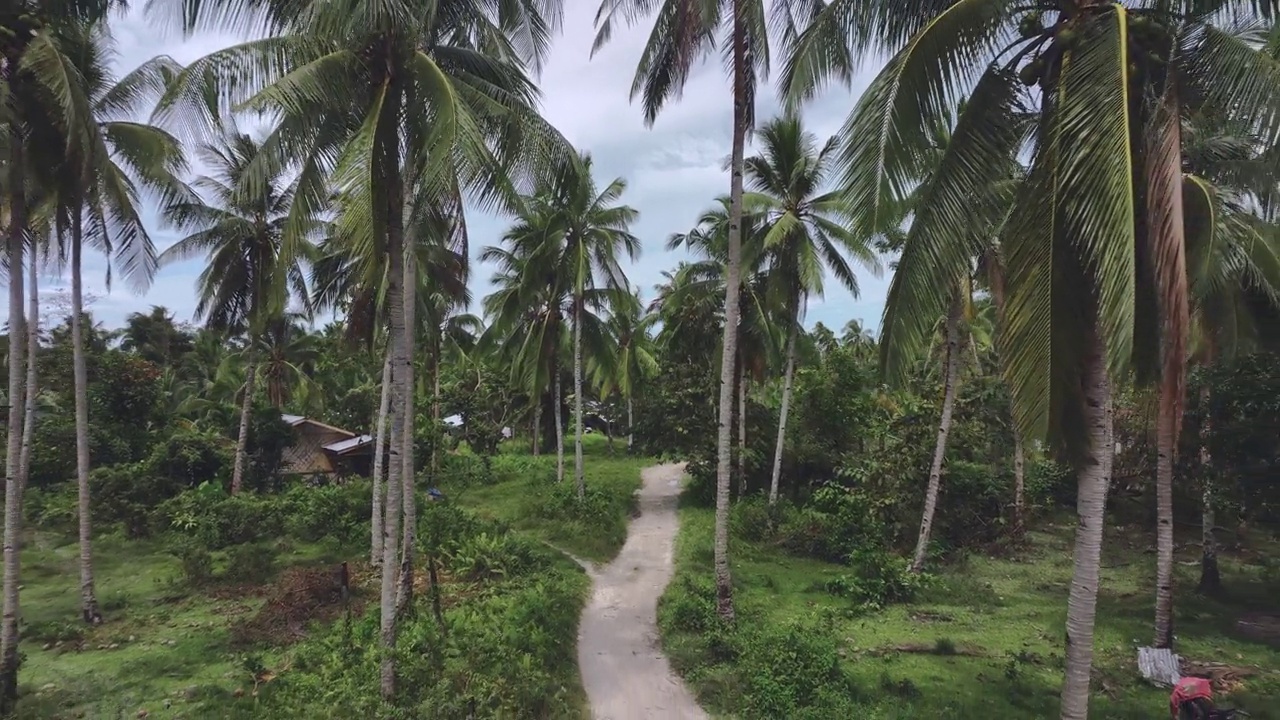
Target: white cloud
674 169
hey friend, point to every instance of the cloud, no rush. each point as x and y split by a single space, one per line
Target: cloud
674 169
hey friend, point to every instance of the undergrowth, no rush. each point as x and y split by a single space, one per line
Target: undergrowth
981 638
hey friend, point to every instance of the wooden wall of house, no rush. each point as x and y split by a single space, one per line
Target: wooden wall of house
307 454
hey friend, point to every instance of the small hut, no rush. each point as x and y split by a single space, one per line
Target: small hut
324 449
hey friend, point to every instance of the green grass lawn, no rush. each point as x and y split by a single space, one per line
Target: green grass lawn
518 501
986 638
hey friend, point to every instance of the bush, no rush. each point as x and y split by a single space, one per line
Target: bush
217 520
127 494
485 556
54 507
463 470
790 669
251 563
340 512
195 564
190 457
880 579
834 525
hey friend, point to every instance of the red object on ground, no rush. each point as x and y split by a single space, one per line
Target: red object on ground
1187 689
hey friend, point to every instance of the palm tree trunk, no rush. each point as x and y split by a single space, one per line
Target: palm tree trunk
788 374
577 398
13 467
631 425
1166 446
242 439
88 599
555 407
949 387
742 433
391 175
1019 487
33 350
537 424
1093 479
435 407
405 361
1210 577
379 444
729 346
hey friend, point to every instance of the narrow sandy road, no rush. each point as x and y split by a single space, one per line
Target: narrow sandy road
626 676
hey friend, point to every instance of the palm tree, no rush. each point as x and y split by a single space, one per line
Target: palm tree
241 228
698 289
155 336
1079 227
563 262
1234 268
595 233
45 109
684 32
112 157
632 357
389 111
803 232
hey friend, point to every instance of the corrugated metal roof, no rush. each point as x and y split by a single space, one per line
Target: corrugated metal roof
292 419
453 420
343 446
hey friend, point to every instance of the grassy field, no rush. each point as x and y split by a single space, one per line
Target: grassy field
163 649
172 651
985 640
519 501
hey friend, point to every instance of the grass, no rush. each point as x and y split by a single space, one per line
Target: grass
986 637
167 649
521 501
161 646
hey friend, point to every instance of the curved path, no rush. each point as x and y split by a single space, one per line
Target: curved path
625 673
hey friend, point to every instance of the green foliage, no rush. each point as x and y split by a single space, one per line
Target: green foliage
127 494
190 457
217 520
269 437
251 563
339 512
463 470
483 556
536 470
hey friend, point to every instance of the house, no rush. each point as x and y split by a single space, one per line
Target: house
324 449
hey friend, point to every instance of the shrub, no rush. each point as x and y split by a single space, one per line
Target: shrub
251 563
127 494
690 605
484 556
834 525
54 507
195 563
340 512
880 579
190 457
217 520
786 670
463 470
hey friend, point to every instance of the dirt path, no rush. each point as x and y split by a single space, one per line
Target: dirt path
626 676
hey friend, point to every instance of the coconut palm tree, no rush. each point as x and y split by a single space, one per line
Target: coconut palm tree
100 179
563 262
595 234
46 112
804 232
632 358
684 32
240 226
1233 264
1079 230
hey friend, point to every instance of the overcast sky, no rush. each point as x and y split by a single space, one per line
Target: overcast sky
673 170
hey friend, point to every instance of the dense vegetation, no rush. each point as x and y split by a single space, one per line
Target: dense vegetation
1077 200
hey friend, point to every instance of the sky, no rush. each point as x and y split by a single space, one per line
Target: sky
674 169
